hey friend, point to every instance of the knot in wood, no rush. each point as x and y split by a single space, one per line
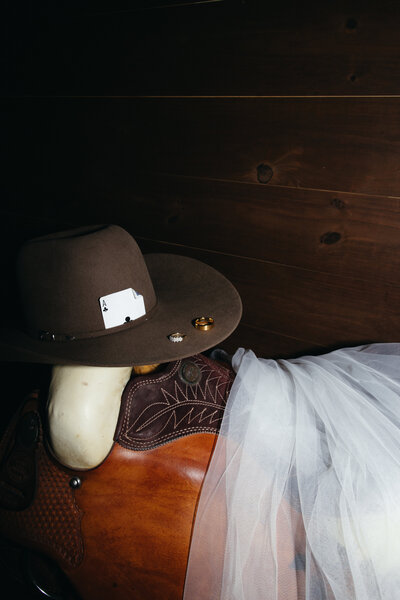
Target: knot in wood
264 173
337 203
330 237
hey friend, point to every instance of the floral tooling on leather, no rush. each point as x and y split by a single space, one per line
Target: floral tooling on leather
46 517
189 397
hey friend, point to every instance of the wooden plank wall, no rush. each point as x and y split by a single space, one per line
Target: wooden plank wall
264 140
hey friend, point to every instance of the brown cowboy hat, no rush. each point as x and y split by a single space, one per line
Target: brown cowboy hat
90 297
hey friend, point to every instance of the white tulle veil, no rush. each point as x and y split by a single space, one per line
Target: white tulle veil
302 496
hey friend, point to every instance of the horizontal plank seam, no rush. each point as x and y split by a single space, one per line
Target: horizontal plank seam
325 347
269 185
280 334
116 11
66 223
264 261
202 97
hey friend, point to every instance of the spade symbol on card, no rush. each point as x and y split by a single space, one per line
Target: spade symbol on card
121 307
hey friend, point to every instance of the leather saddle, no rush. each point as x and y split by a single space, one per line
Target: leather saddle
122 529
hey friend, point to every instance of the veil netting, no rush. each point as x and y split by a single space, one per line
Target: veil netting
302 497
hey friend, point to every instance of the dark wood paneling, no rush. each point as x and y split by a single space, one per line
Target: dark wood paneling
19 228
276 180
268 344
287 310
321 309
344 234
230 48
80 148
349 144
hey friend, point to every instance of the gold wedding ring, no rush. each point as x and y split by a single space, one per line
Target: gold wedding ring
204 323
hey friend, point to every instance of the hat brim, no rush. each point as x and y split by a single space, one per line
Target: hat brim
185 288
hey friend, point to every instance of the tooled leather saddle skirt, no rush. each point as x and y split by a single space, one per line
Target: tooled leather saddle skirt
121 530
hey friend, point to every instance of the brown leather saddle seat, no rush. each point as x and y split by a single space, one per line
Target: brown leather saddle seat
124 526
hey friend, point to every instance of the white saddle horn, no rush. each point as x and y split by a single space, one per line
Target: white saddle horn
82 409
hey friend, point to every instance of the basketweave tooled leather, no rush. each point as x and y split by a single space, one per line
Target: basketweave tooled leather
188 397
37 505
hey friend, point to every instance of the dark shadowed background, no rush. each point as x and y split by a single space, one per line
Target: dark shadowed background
262 138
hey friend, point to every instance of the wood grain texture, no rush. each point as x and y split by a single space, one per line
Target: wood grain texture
75 150
316 230
264 342
322 309
333 144
296 199
300 294
227 48
268 344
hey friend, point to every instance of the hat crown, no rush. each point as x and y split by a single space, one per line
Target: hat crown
63 276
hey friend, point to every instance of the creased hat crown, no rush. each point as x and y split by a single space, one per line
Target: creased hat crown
89 297
63 276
